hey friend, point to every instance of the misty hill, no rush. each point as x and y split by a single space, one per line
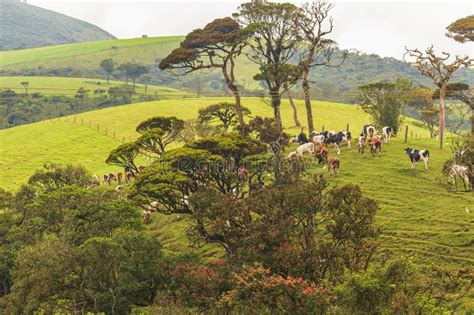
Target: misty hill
25 26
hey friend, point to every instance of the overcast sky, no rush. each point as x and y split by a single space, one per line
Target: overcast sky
381 27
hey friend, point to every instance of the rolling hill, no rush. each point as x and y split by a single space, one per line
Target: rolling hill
419 218
69 86
82 60
24 26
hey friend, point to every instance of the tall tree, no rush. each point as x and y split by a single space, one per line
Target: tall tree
274 44
384 101
81 94
108 65
224 112
25 85
460 92
462 30
421 99
317 49
293 107
217 45
440 72
132 71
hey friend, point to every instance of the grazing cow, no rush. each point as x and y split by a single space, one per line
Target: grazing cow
387 133
307 147
294 139
302 138
368 130
322 153
361 144
333 165
95 181
128 177
153 206
318 139
147 217
119 177
417 155
461 171
375 144
119 188
337 139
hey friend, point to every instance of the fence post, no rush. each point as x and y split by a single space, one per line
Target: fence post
114 134
123 140
323 127
406 134
411 134
347 129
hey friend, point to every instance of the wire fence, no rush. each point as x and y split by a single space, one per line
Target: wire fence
95 125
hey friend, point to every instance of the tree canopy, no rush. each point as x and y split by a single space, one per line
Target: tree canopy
462 30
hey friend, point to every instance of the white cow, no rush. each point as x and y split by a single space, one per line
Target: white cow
307 147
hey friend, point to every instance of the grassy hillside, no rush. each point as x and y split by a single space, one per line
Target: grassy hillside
88 55
25 26
69 86
83 59
420 219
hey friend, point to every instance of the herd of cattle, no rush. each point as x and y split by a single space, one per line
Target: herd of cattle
318 142
317 145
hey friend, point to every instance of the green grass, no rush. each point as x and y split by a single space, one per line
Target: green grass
419 218
69 86
87 56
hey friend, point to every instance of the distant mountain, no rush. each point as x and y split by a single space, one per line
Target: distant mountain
26 26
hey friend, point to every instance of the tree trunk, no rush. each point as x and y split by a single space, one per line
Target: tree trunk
442 114
295 113
276 102
307 102
471 141
238 109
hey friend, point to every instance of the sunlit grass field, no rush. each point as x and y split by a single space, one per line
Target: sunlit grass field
87 54
69 86
420 219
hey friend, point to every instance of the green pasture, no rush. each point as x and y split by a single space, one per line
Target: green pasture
419 218
69 86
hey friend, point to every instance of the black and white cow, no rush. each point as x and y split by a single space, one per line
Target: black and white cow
418 155
387 133
368 131
337 139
